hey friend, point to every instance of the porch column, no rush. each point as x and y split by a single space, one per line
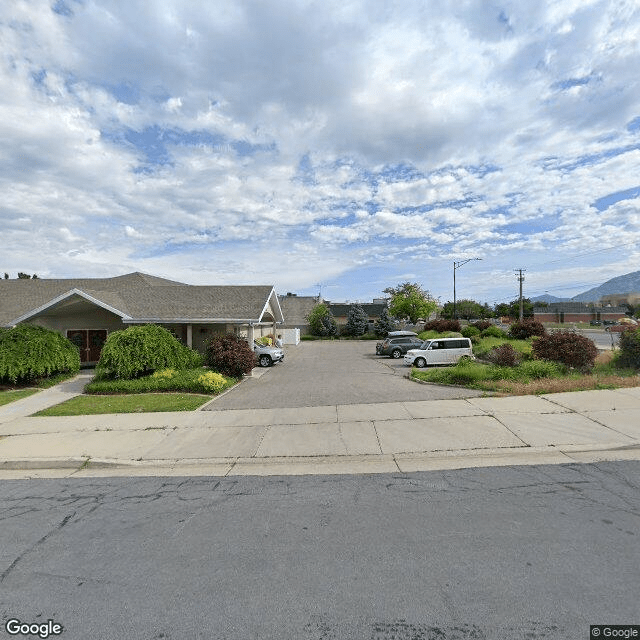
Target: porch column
190 336
250 335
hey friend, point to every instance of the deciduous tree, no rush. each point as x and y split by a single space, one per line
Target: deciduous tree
409 301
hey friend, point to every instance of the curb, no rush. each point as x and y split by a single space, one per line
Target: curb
335 464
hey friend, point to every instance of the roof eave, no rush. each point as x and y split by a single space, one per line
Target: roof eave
65 296
190 320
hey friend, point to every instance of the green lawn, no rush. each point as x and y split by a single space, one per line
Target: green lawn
11 395
135 403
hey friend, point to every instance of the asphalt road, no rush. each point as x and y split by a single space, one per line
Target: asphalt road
602 339
486 554
328 373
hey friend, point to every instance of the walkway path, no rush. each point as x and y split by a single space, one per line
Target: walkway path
386 437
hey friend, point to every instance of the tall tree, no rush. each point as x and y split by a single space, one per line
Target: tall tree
410 301
321 322
466 309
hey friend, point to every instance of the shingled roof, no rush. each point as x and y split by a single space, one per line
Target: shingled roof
138 297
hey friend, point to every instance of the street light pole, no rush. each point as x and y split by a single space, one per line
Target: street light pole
457 265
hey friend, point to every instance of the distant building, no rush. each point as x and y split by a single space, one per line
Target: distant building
563 312
618 299
298 308
340 311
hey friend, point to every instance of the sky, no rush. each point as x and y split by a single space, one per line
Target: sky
340 147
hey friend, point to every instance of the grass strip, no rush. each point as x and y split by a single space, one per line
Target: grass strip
135 403
15 394
529 378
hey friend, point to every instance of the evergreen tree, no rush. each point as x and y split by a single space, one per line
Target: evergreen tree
384 324
357 321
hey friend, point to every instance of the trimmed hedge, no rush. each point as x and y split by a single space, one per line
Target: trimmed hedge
196 380
28 352
139 351
566 347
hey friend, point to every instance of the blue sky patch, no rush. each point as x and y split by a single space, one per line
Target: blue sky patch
602 204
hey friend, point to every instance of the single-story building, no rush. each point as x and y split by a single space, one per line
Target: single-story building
577 312
340 311
86 310
296 309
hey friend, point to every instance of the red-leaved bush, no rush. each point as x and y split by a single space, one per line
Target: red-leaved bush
230 355
442 326
566 347
504 355
482 325
526 329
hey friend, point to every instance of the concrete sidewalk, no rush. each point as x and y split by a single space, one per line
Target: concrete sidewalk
357 438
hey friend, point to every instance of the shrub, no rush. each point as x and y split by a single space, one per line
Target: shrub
526 329
493 332
139 351
482 325
470 331
307 337
212 381
566 347
28 352
184 380
629 346
442 325
504 355
536 369
230 355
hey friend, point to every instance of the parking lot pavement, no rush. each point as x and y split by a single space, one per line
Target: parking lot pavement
322 373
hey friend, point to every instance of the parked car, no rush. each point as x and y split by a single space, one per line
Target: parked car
267 355
394 347
595 323
439 351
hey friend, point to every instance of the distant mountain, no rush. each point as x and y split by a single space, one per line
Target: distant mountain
547 297
628 283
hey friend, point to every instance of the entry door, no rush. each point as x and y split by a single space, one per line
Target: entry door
89 342
80 338
96 338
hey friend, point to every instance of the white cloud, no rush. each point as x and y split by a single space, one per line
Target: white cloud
387 135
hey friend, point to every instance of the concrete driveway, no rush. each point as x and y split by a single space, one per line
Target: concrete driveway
325 373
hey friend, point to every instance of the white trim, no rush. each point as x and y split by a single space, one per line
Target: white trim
188 320
273 294
65 296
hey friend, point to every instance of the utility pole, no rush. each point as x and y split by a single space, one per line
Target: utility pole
457 265
521 280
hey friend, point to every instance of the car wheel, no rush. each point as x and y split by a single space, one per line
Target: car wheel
265 361
420 362
396 353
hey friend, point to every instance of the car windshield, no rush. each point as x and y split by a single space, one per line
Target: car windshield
425 345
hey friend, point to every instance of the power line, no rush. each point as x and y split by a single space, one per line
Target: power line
588 253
